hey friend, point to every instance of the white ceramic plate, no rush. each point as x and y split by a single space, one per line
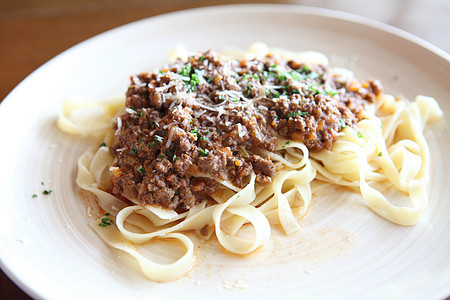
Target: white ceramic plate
345 251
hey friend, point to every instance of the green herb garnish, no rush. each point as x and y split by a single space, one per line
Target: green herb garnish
296 113
47 192
201 137
314 90
281 77
168 152
285 144
203 152
134 150
276 94
312 75
141 170
186 70
105 222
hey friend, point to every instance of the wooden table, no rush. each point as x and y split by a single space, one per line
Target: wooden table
32 32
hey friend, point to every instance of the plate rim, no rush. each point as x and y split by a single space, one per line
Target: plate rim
255 9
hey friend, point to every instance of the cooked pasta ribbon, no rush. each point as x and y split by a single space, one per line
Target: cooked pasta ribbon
386 148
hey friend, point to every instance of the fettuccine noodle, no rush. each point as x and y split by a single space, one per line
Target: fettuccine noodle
386 148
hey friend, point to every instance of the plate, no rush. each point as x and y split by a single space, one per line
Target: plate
344 250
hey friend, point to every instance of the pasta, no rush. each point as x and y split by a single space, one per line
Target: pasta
386 147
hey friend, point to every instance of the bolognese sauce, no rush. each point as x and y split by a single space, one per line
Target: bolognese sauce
208 118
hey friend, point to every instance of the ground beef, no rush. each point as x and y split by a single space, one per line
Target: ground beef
209 118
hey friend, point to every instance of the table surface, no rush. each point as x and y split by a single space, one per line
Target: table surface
32 32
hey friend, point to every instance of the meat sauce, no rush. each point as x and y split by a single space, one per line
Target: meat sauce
205 119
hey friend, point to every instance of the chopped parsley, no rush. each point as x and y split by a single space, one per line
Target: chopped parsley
312 75
314 90
190 88
47 192
203 152
296 76
296 113
194 79
153 144
281 76
359 135
141 170
186 70
194 130
134 150
380 154
34 195
168 152
285 144
105 222
158 138
294 91
268 74
276 94
201 137
342 123
103 144
202 58
332 93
